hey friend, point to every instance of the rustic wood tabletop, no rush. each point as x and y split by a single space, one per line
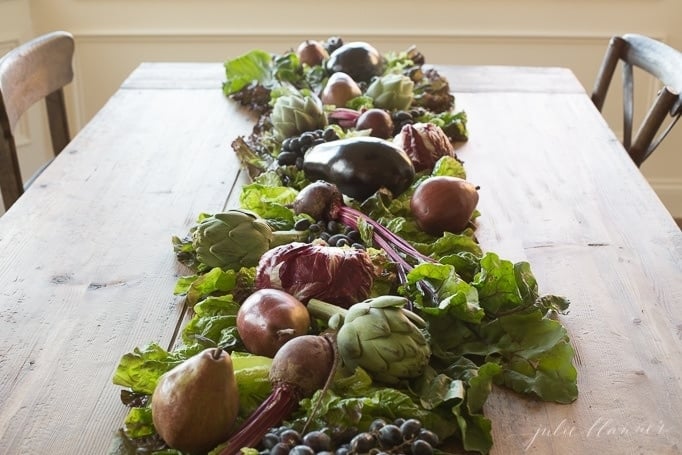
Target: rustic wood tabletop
87 270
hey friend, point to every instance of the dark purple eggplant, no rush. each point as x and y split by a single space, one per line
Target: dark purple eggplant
359 166
358 59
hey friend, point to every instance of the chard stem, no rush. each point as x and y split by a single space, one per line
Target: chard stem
387 235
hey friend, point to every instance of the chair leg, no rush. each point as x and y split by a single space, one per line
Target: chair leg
644 143
11 183
613 53
56 115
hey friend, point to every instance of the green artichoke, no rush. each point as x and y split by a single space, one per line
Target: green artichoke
297 113
392 92
382 337
236 238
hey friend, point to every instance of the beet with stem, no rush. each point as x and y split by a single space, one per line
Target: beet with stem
301 367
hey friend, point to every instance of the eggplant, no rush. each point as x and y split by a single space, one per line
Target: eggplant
358 59
359 166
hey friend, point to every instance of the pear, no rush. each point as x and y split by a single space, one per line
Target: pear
195 404
340 89
311 52
443 203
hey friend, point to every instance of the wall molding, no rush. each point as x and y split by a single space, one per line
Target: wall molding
132 36
669 190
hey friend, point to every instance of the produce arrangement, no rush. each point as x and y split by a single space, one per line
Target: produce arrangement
345 307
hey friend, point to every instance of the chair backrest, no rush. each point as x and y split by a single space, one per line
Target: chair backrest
37 70
662 62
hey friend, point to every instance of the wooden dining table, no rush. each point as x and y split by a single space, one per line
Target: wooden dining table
87 268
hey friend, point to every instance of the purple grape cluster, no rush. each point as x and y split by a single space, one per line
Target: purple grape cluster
398 437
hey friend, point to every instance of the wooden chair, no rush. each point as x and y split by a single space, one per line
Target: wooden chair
37 70
659 60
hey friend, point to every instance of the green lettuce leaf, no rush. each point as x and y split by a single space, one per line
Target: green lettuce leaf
449 166
270 203
140 369
253 66
354 401
215 319
215 281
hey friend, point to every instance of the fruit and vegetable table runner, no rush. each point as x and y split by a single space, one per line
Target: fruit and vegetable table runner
89 271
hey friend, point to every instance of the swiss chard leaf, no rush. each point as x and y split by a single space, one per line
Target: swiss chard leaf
496 283
535 354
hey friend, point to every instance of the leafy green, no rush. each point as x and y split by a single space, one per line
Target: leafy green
255 65
449 166
354 401
536 355
486 320
270 202
140 369
215 281
499 318
215 318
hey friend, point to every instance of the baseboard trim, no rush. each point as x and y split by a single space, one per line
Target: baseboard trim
670 192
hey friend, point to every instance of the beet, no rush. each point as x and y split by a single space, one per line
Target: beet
302 366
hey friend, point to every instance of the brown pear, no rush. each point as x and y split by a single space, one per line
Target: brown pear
340 89
443 203
311 52
195 405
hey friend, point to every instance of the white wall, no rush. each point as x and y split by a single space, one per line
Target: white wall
113 37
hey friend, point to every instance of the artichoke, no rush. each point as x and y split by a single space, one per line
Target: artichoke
297 113
392 92
236 238
379 335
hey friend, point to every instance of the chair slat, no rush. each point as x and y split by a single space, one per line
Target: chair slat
662 62
37 70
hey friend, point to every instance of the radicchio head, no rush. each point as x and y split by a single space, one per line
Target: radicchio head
424 143
338 275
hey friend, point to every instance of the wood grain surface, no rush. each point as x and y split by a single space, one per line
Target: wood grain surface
87 268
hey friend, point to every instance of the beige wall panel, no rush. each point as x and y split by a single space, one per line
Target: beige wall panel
113 37
96 52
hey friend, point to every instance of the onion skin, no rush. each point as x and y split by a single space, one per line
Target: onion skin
444 203
340 89
379 122
269 318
